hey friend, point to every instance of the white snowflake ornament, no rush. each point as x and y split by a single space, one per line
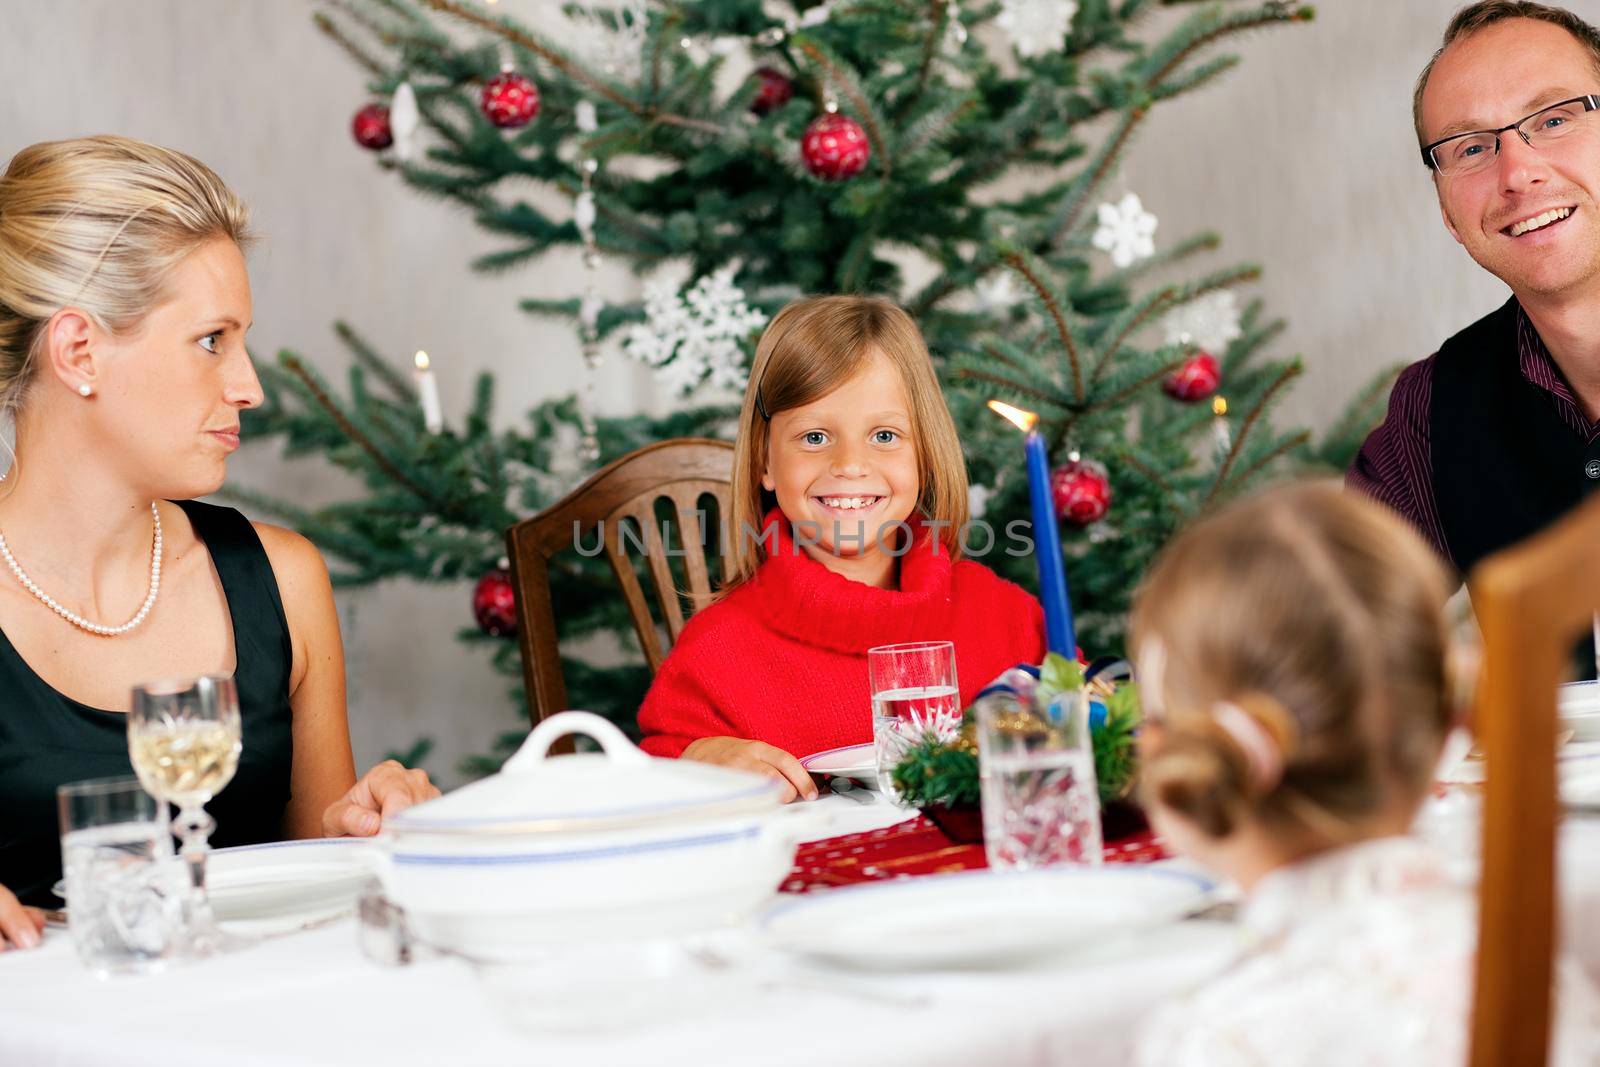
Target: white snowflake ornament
1210 321
697 335
1126 231
609 36
978 499
998 291
1037 27
815 16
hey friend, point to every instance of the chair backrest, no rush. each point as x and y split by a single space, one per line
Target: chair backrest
618 506
1532 600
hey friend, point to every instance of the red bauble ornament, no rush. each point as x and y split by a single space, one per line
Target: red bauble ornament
776 90
371 127
1082 490
494 604
834 147
509 100
1197 379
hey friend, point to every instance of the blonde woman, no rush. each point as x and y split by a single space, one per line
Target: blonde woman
124 303
1292 664
849 513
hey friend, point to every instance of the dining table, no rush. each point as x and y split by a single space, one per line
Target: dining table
313 996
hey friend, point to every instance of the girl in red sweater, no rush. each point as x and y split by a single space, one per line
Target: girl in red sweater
849 506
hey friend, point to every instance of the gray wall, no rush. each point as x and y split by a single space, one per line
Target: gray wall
1302 159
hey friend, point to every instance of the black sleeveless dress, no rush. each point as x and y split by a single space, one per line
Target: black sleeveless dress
47 739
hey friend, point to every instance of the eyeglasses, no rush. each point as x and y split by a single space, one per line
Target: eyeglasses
1468 153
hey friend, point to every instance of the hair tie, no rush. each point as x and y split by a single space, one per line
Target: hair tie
1262 754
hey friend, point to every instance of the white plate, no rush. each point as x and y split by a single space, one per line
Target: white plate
981 919
1579 767
852 761
1572 759
1580 709
288 880
1580 791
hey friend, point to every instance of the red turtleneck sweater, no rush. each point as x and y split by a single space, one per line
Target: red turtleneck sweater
783 658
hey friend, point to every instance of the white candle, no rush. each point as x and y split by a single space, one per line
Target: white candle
428 393
1221 435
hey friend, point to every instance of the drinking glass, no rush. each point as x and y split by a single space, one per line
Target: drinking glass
122 897
914 694
1041 804
183 736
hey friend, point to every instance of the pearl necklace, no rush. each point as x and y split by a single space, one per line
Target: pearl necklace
78 620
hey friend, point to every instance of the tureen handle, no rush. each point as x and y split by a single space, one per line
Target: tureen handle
613 742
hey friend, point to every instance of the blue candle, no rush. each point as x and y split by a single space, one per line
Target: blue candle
1059 636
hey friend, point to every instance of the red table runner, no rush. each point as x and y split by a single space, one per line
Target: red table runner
915 847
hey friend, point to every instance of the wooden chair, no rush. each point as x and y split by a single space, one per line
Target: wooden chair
620 500
1533 601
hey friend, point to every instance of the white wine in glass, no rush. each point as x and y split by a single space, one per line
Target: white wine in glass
186 763
184 741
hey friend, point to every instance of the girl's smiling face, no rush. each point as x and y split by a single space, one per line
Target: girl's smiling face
844 467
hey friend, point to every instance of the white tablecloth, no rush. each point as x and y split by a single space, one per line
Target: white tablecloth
312 998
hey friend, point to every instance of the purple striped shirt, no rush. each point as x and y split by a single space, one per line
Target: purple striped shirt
1395 465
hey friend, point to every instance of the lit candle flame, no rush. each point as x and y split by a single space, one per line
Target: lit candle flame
1219 405
422 360
1022 420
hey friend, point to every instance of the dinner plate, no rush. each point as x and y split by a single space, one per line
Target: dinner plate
1573 759
1581 791
304 881
981 919
859 762
1579 768
1580 709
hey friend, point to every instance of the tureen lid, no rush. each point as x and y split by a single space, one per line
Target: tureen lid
617 788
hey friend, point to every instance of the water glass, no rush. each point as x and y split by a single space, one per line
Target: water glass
914 695
124 895
1041 803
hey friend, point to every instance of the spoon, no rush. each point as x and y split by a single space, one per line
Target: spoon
847 788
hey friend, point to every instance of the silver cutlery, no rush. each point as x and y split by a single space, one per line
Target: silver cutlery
846 788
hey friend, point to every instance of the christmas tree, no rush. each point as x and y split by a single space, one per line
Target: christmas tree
845 146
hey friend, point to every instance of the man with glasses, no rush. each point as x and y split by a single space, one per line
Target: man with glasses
1498 433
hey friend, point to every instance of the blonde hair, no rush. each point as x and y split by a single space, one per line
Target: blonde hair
810 348
1320 615
98 224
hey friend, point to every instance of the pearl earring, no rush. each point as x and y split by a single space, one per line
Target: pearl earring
85 389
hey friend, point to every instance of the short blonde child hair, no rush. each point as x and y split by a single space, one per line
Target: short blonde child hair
97 223
1320 615
810 348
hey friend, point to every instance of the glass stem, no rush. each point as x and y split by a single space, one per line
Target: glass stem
196 827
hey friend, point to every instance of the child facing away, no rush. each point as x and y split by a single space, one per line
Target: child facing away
849 506
1292 661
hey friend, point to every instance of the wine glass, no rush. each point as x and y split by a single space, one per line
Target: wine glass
183 737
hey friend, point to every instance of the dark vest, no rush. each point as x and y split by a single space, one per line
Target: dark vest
47 738
1505 463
